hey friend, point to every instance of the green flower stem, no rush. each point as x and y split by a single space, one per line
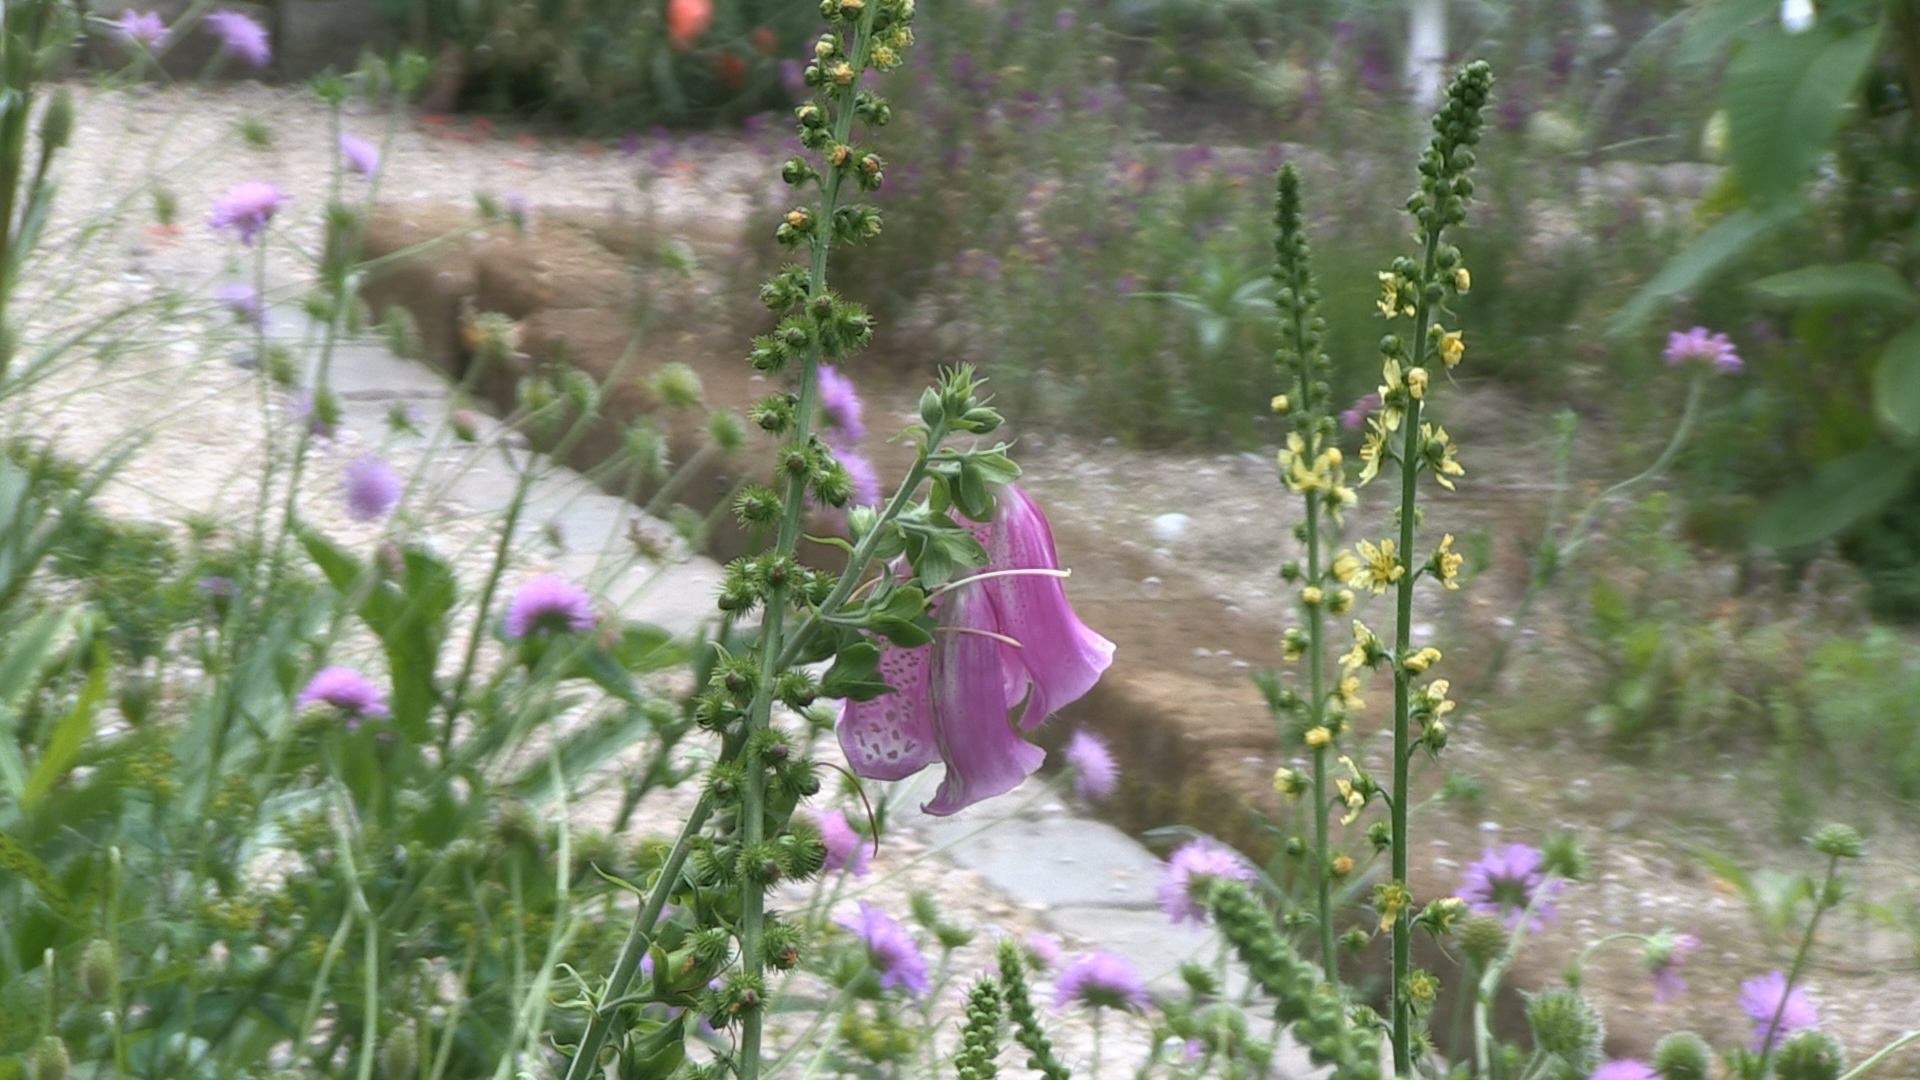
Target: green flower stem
1316 688
1403 745
639 938
1880 1055
1820 905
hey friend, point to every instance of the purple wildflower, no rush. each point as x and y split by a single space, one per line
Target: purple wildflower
1094 771
1193 863
1506 882
344 689
846 849
1664 956
549 604
866 481
359 155
840 404
372 488
1697 344
241 37
1101 980
1761 999
894 956
1625 1069
1356 416
243 301
951 699
246 208
145 28
1042 950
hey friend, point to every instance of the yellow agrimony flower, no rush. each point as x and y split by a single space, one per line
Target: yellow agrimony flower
1311 596
1340 601
1421 985
1390 899
1438 449
1462 281
1432 699
1280 404
1293 643
1446 563
1422 660
1381 569
1318 736
1289 782
1417 383
1396 295
1344 567
1371 448
1341 866
1348 694
1393 396
1452 346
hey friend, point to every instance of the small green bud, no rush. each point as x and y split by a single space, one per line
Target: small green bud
1566 1025
51 1060
97 969
727 431
1811 1055
1839 842
56 124
677 386
1683 1056
400 1052
1483 938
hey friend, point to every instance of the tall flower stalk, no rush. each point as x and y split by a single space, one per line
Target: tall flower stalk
1418 290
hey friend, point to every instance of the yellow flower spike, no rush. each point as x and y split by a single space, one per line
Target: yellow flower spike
1417 383
1280 405
1318 736
1462 281
1452 346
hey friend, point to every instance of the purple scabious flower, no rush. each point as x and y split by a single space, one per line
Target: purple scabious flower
1356 417
359 155
1101 980
840 404
242 37
372 488
1506 881
952 699
1193 863
1761 998
846 848
1042 950
549 604
344 689
145 28
1697 344
1625 1069
1664 956
246 208
243 301
866 480
1094 770
891 951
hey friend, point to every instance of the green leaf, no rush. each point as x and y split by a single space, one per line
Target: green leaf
1785 95
855 674
1716 247
1844 491
1712 26
27 650
1847 285
1896 383
69 734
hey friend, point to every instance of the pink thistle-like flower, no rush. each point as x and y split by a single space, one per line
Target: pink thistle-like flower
372 488
245 209
1101 980
1042 950
344 689
841 405
951 699
1355 417
1761 999
1664 956
1506 881
891 951
359 155
144 28
1625 1069
243 301
549 604
846 848
1698 344
1197 861
1094 772
240 36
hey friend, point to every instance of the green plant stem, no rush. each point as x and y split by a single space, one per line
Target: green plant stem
1879 1056
1403 746
1820 907
639 939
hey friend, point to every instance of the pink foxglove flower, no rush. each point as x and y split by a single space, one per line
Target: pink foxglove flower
846 849
952 698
